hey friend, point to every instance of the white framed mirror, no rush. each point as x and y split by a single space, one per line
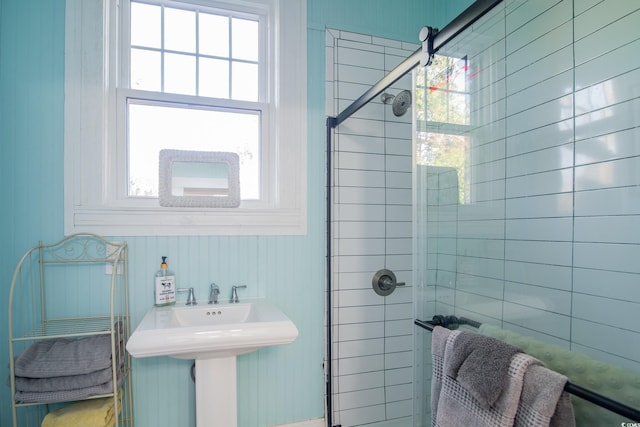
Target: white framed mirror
199 179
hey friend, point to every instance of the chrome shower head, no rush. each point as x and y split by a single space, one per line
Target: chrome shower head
400 102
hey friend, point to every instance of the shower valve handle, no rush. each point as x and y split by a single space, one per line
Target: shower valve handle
384 282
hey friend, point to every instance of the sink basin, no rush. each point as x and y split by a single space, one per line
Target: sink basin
208 331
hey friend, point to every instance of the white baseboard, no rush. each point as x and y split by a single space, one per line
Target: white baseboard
320 422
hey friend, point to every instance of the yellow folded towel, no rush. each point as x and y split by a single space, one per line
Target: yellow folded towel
88 413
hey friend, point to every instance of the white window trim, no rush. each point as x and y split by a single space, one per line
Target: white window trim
90 204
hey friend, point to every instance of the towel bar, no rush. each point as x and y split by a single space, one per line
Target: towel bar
452 322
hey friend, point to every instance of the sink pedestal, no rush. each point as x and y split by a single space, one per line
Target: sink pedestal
216 392
213 336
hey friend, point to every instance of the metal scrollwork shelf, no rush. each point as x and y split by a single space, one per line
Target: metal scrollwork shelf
71 291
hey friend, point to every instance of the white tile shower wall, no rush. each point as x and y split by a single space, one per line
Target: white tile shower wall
554 254
372 229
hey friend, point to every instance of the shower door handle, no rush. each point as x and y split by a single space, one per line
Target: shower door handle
384 282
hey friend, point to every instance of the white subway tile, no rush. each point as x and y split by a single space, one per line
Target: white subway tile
558 229
543 252
617 257
359 126
558 157
553 111
552 135
398 311
610 284
521 12
600 69
485 286
550 276
370 414
608 147
398 376
539 297
363 381
612 26
615 173
360 58
360 347
549 323
360 331
608 229
357 178
361 398
357 297
397 328
553 205
358 314
355 247
399 392
549 16
359 143
402 359
611 201
607 338
539 70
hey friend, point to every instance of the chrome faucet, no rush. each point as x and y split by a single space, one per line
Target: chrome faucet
213 294
191 297
234 293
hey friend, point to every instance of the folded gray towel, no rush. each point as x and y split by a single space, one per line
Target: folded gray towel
65 395
481 364
62 357
69 382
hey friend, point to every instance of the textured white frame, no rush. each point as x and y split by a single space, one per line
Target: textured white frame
91 200
165 175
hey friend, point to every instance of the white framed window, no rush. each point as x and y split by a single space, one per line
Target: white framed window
146 75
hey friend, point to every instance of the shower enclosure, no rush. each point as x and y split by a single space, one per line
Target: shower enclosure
525 198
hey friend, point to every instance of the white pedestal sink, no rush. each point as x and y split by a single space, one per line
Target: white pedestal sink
213 335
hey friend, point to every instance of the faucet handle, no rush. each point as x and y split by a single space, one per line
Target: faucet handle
191 297
234 292
213 293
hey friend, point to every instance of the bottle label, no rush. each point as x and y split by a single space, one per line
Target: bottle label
165 289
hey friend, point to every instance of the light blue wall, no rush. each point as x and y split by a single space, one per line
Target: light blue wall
278 385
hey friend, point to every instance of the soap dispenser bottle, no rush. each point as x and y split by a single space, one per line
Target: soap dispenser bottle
165 285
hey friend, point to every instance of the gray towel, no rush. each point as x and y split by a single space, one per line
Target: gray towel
66 395
438 343
69 382
62 357
543 401
457 407
481 364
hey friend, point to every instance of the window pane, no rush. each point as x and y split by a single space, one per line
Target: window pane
155 127
214 35
244 81
244 39
145 70
179 30
180 74
214 78
145 25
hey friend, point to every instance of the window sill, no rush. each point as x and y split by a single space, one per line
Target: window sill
187 222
